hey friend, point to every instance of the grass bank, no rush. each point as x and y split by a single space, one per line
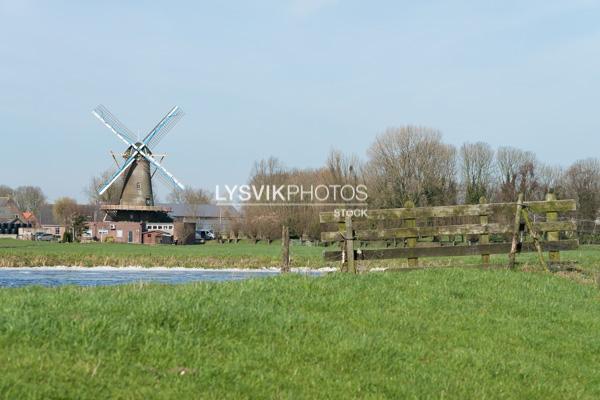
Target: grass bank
19 253
423 334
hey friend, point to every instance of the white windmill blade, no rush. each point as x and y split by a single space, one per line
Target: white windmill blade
116 175
163 127
163 171
116 126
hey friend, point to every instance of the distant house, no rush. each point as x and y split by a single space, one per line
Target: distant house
206 216
12 221
48 223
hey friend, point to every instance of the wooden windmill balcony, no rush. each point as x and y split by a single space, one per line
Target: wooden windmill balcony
125 207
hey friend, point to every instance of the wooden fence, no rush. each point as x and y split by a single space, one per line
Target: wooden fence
416 231
588 231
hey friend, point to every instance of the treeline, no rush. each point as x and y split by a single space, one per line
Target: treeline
414 163
406 163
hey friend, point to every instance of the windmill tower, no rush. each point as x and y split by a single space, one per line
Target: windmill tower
140 166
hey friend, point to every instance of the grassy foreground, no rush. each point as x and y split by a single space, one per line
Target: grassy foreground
423 334
20 253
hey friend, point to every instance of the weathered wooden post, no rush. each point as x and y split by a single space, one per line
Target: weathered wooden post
484 238
552 216
411 241
349 240
342 231
516 231
285 249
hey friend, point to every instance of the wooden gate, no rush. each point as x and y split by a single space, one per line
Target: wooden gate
485 229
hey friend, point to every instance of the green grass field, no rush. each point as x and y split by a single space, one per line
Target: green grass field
451 333
18 253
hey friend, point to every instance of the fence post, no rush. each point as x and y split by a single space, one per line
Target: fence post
349 240
411 241
553 236
285 249
342 230
516 232
484 238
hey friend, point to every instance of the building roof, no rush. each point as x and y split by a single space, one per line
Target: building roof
46 214
201 211
29 217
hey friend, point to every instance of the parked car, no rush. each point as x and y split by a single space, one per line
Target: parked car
205 234
44 237
37 235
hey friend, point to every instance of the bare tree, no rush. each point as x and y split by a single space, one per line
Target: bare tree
268 171
517 173
6 191
583 183
411 163
477 170
64 209
110 196
550 178
264 222
303 220
342 169
190 195
29 198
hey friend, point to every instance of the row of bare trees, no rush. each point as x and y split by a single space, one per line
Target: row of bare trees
27 198
413 163
501 175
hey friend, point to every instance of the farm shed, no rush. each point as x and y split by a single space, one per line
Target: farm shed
157 237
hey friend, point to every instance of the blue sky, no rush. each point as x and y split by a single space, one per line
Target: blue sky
290 79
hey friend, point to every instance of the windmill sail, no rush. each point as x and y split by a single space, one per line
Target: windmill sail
163 127
114 124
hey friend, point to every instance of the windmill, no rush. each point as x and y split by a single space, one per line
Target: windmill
140 165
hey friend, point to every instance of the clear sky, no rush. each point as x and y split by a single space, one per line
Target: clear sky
290 79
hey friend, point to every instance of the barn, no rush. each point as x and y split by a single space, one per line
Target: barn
206 216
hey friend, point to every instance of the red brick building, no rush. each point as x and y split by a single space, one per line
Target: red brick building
118 232
142 232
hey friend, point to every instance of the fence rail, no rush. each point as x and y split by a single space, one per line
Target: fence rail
456 211
468 229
